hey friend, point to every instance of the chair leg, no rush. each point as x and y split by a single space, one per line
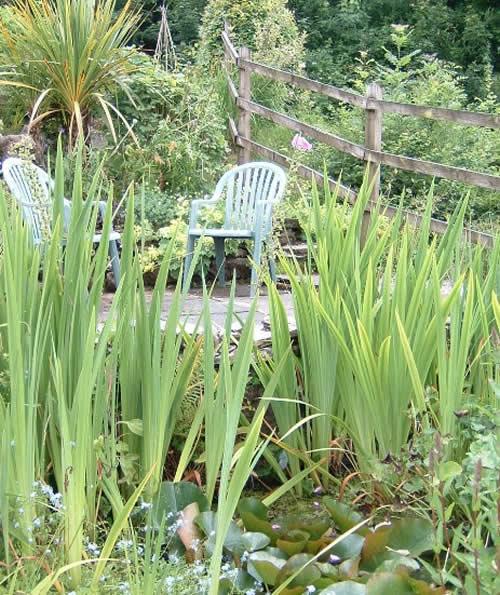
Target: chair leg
272 267
219 261
257 251
188 259
115 261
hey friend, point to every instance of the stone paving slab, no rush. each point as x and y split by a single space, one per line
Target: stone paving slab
219 301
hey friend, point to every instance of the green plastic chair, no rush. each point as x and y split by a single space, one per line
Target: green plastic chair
32 187
250 192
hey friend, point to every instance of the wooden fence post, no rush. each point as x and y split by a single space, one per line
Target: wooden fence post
373 140
244 115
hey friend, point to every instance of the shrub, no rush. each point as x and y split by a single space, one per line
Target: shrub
171 234
180 128
158 207
461 31
265 26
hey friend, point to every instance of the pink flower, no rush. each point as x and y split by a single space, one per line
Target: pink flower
301 144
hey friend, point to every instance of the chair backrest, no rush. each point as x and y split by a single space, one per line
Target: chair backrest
245 185
32 188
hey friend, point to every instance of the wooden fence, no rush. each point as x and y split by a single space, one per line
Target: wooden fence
371 152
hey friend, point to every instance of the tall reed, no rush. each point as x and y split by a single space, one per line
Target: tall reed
78 387
390 319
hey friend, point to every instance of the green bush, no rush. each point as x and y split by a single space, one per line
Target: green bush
180 127
462 32
158 207
267 27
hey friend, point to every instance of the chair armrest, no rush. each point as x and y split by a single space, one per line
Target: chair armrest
195 209
101 205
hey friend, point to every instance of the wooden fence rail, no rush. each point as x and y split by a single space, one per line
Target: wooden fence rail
357 100
371 152
411 218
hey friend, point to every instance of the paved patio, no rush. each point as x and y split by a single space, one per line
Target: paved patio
193 307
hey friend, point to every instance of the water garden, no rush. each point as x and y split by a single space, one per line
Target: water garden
322 418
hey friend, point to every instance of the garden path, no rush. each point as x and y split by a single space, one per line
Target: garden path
219 301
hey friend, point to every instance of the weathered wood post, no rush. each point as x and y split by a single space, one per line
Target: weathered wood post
373 140
244 115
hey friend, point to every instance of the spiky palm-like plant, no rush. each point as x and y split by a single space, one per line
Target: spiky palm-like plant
70 54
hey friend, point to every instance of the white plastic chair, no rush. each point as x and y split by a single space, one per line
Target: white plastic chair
37 210
250 192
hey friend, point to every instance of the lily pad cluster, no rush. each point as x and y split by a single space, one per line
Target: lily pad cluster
333 553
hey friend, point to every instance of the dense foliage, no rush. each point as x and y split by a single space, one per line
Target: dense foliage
84 462
267 27
461 32
184 17
406 76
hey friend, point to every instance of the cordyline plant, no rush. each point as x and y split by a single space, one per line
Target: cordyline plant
69 55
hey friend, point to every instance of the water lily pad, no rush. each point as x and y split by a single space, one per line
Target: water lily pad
323 583
244 581
328 570
254 541
346 588
293 542
383 583
315 528
226 587
265 567
422 588
172 499
400 583
275 551
257 525
306 575
398 562
349 568
407 537
413 535
349 547
313 547
254 506
254 516
343 516
375 550
207 522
